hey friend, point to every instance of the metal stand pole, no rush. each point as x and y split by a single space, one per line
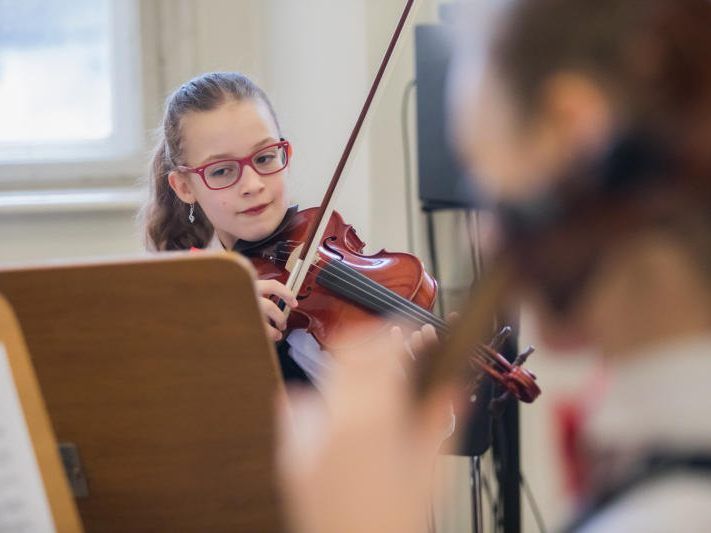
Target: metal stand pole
475 485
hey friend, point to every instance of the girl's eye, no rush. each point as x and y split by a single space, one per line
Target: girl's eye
218 172
222 171
264 159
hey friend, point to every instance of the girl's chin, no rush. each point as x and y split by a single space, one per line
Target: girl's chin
256 228
259 230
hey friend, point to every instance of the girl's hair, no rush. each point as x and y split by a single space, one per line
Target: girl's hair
165 217
653 60
652 57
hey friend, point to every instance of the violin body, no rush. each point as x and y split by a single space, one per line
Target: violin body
344 288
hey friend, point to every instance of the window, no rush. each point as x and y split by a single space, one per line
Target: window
69 82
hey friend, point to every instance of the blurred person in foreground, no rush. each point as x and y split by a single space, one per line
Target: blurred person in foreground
589 124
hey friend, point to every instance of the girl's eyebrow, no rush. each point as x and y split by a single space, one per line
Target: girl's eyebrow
216 157
265 142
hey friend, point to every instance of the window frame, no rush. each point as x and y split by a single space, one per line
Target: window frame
119 158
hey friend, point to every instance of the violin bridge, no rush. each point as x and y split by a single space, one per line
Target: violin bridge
293 258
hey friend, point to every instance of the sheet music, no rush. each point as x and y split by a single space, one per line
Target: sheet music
23 502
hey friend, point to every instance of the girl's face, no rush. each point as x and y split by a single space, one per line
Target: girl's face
516 155
254 206
504 155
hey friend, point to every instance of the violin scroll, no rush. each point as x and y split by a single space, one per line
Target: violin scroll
516 380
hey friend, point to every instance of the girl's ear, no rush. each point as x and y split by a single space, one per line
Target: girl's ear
181 186
579 113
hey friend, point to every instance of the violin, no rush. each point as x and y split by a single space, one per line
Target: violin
344 287
320 258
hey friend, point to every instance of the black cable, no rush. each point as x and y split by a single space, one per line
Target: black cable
408 161
432 245
477 233
472 223
533 505
493 503
472 244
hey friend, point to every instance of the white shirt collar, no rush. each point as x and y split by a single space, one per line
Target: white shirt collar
659 399
214 243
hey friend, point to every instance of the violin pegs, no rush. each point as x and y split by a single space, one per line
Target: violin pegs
498 341
523 357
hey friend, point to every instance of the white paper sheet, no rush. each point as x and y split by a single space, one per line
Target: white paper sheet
23 502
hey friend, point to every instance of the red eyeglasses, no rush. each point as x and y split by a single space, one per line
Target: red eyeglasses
226 172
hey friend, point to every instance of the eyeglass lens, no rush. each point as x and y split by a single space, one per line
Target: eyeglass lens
267 161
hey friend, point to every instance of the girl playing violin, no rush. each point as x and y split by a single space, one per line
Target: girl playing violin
218 180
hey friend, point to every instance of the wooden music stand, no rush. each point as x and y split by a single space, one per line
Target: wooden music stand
159 371
61 503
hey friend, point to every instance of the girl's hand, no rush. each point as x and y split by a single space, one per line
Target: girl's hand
361 444
274 318
418 343
422 339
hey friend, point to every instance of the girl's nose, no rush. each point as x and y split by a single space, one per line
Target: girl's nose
250 183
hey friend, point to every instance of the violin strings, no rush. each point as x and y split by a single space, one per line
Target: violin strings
412 311
483 352
484 363
399 304
440 325
376 291
383 296
394 299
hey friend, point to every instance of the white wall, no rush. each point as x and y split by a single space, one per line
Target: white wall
316 69
36 237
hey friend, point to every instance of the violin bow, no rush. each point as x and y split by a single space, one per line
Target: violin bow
307 252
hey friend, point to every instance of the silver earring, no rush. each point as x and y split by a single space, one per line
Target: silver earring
191 215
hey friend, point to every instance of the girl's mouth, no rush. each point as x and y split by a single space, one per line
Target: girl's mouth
256 210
